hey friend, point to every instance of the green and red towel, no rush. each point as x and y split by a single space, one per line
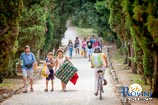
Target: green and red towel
66 72
74 78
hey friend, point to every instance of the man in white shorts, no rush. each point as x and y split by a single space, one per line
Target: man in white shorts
27 61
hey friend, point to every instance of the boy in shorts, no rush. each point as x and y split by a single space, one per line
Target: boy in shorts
50 62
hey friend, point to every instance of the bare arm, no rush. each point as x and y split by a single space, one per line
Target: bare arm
92 66
56 64
105 60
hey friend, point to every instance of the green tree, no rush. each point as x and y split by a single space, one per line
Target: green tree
142 19
33 25
50 40
10 11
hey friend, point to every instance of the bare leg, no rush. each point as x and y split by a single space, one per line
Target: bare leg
78 51
47 84
25 83
89 57
63 86
52 85
31 84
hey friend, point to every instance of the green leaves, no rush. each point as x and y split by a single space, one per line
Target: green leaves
33 24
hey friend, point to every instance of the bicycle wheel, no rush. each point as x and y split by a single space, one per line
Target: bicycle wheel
100 89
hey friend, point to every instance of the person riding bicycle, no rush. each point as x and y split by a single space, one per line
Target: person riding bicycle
98 62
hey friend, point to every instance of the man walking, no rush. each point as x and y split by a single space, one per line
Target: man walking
27 61
77 46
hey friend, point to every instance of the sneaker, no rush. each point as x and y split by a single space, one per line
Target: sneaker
46 90
25 91
52 90
105 82
32 90
96 93
64 90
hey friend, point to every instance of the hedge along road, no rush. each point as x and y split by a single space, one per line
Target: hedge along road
80 94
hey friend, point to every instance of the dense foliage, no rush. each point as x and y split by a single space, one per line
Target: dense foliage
10 10
95 15
142 20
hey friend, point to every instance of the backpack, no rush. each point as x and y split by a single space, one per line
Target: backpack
97 60
77 42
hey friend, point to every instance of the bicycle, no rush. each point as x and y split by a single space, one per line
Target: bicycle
100 84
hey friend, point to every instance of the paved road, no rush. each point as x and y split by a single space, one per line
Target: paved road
81 94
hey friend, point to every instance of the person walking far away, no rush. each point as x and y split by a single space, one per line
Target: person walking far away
27 61
77 46
100 42
89 48
84 44
70 48
96 43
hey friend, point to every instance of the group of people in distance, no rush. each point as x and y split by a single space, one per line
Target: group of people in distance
91 47
84 47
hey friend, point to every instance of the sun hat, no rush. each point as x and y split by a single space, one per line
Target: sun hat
60 50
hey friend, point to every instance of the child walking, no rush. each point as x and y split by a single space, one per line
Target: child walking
50 62
59 62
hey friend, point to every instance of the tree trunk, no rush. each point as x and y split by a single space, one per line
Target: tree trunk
133 64
125 47
155 89
129 53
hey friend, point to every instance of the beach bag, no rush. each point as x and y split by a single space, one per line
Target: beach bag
45 71
97 60
35 66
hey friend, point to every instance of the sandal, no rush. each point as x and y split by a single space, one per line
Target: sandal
25 91
105 82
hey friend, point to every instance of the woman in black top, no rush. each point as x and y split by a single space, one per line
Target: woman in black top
89 48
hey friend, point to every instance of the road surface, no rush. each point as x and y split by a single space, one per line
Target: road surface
81 94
